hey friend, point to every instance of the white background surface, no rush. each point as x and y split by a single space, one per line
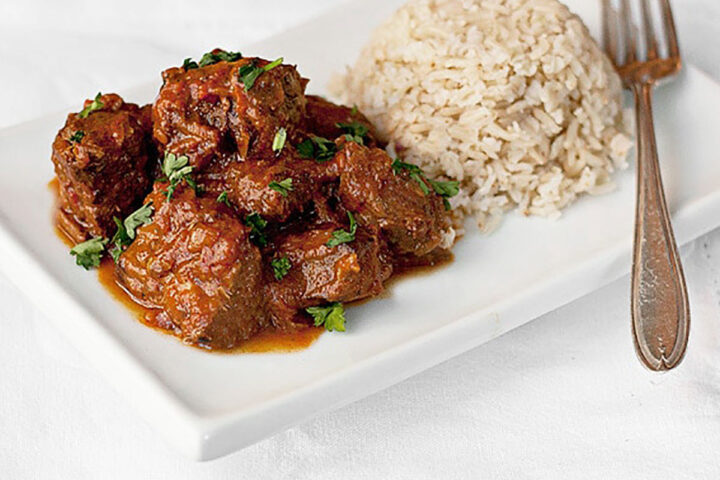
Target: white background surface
560 397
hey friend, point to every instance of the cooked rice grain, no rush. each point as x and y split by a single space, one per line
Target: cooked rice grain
513 98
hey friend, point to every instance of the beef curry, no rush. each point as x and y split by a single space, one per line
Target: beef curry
236 203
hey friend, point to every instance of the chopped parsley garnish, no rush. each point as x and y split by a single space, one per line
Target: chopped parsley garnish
343 236
249 72
141 216
126 231
445 189
189 64
283 187
281 267
177 170
331 316
279 140
257 226
96 104
354 132
354 110
415 172
219 55
88 253
319 148
223 198
398 166
77 136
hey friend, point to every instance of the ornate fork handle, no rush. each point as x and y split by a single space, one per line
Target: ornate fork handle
660 311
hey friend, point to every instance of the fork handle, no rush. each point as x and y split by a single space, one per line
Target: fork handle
660 311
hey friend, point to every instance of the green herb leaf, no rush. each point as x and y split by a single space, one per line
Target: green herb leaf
398 166
415 172
281 267
249 72
257 226
77 136
223 198
343 236
331 316
219 55
141 216
88 254
354 110
418 177
318 148
306 149
354 132
283 187
445 189
177 170
279 140
273 64
126 231
95 105
189 64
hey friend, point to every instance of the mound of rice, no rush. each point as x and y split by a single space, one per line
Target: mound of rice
513 98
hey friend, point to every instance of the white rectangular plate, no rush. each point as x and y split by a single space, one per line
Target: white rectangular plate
210 405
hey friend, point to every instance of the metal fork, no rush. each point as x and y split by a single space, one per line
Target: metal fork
660 311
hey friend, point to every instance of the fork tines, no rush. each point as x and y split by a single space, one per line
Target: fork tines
636 49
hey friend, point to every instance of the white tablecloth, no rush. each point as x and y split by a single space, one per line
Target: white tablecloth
563 397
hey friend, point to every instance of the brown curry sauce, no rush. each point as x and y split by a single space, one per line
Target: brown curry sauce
213 265
270 340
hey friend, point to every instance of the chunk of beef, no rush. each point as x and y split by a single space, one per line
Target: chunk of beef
257 185
208 112
321 274
102 163
412 221
322 118
195 262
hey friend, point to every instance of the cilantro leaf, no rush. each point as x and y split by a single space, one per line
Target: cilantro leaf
177 170
445 189
189 64
318 148
249 72
88 253
96 104
141 216
418 177
257 224
398 166
77 136
281 267
343 236
218 55
354 132
223 198
126 230
331 316
283 187
279 140
415 172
